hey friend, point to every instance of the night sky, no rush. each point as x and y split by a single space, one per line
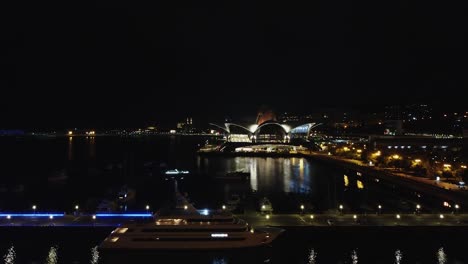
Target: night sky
113 64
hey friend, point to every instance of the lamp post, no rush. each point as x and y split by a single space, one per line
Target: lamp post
341 209
34 207
302 209
456 208
418 207
147 208
380 209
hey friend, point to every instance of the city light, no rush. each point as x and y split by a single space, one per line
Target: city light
354 216
147 207
77 207
311 216
70 133
398 216
124 215
185 207
224 207
31 215
359 184
396 156
417 160
51 217
302 207
267 216
441 216
447 166
463 166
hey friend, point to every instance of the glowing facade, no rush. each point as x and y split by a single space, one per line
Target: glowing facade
267 132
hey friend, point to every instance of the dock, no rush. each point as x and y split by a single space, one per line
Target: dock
255 219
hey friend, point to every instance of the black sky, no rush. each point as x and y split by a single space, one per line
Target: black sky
67 64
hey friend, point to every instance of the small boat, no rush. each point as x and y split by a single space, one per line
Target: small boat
265 206
175 174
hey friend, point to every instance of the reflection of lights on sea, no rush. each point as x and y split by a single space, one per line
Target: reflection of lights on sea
52 257
220 261
354 257
94 255
312 256
441 256
10 256
398 256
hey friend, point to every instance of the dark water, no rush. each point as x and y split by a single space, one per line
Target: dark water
62 245
57 173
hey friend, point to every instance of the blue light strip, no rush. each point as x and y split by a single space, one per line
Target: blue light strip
32 215
125 215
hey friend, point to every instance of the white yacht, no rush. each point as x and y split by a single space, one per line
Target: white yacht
184 229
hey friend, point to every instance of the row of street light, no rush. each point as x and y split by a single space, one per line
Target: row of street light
302 207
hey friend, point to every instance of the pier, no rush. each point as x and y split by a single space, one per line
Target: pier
255 219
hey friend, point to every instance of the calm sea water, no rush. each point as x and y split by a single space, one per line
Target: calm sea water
57 173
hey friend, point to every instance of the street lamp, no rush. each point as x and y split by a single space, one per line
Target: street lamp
34 207
147 208
417 208
441 216
380 208
8 217
398 216
302 208
355 217
341 208
185 207
267 216
456 208
77 207
51 217
311 217
224 207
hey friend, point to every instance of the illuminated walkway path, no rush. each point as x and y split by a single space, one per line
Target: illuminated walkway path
253 218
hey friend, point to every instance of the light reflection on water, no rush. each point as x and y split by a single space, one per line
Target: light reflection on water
398 256
354 257
52 256
441 256
220 260
290 175
10 256
312 256
94 255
